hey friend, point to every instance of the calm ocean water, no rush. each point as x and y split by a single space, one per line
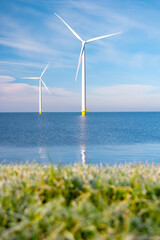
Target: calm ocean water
64 138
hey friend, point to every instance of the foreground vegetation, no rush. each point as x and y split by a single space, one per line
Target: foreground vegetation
79 202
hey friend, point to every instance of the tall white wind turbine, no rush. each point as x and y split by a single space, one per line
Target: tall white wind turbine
40 87
82 59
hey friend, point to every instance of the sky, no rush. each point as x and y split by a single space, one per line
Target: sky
122 72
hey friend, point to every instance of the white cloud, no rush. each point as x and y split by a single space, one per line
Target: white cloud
24 97
125 98
26 64
61 92
27 45
16 91
123 90
6 79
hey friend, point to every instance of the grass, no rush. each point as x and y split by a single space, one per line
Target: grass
79 202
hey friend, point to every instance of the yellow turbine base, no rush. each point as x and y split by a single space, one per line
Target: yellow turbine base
83 113
40 112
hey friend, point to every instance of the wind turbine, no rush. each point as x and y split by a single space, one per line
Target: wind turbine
82 59
40 87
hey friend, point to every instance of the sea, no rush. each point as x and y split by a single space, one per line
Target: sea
67 138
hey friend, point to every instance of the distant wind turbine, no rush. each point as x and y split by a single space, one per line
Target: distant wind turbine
82 59
40 87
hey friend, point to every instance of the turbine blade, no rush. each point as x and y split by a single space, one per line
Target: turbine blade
101 37
70 28
80 59
30 78
44 70
46 87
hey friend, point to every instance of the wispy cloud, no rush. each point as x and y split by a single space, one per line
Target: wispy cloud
16 35
26 45
113 98
24 97
62 92
128 16
6 79
124 90
125 98
27 64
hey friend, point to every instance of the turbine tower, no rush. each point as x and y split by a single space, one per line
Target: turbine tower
82 59
40 87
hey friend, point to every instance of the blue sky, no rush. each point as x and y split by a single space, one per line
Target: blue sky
123 71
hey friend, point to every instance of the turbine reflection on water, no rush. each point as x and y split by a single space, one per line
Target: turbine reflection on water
83 138
83 152
42 154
